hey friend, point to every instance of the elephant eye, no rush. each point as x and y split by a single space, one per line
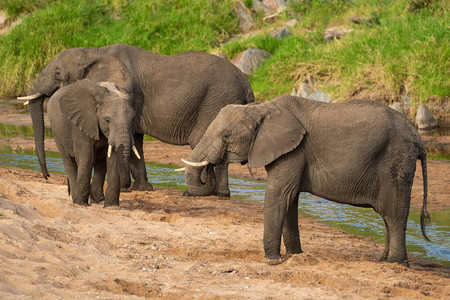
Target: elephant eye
107 120
226 134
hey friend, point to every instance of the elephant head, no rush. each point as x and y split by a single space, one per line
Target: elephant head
254 133
68 67
92 106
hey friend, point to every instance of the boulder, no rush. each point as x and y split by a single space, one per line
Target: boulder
291 22
398 107
248 60
406 100
269 7
306 87
245 17
303 91
280 32
320 96
3 19
332 33
424 119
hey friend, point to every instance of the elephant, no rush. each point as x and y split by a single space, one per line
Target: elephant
359 152
175 97
85 118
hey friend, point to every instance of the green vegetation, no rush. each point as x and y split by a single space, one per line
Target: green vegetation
402 47
395 51
166 27
25 131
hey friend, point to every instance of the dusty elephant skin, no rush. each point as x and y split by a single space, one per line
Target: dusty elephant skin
75 112
175 97
360 152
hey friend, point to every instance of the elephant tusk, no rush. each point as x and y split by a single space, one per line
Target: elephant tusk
136 152
180 170
30 97
26 103
195 164
109 151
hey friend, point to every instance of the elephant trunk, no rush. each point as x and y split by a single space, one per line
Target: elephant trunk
123 153
201 181
36 108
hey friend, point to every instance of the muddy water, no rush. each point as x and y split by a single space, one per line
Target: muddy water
359 221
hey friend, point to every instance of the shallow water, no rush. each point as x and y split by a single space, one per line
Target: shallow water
355 220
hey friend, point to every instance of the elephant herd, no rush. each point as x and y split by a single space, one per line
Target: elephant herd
103 101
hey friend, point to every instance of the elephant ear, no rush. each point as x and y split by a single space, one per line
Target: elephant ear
278 133
78 103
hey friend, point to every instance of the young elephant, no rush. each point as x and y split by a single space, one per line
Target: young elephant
360 152
85 117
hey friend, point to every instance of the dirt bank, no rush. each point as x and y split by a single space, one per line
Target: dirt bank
161 244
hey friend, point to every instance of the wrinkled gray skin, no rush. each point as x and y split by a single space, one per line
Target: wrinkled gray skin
85 117
361 153
175 97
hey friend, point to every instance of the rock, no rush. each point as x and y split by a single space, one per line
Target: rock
291 22
398 107
424 119
270 18
303 90
306 87
320 96
248 60
406 100
280 32
358 20
245 18
364 20
269 6
3 19
332 33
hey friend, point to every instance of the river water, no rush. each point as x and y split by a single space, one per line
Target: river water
355 220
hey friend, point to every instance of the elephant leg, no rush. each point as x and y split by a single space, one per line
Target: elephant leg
98 181
84 181
280 208
71 168
222 189
274 214
395 211
138 170
113 184
385 254
291 235
397 243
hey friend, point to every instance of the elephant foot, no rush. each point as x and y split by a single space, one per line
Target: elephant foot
97 199
384 256
293 251
112 207
222 195
81 202
274 261
124 190
189 194
142 186
403 262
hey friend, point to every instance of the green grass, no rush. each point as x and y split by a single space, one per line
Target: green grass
402 49
167 27
396 52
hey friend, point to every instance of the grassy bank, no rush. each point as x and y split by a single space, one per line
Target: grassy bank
401 49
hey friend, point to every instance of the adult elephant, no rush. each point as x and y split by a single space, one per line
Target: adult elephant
361 153
175 97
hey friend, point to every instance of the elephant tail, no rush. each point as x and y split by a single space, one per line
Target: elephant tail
424 216
68 186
